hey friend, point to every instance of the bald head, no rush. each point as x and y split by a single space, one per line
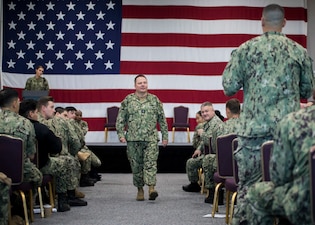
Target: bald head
273 18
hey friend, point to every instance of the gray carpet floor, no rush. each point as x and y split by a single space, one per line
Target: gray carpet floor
112 201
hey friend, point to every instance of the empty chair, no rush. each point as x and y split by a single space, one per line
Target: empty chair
12 164
112 113
224 165
181 121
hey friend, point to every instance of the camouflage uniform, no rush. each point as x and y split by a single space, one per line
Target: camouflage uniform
209 163
70 146
196 138
274 73
288 194
60 166
193 164
83 125
4 202
36 84
13 124
140 119
92 160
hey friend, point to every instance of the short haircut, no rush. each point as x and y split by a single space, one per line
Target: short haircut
140 75
8 96
273 15
60 109
206 104
199 113
234 105
43 101
39 66
70 108
27 106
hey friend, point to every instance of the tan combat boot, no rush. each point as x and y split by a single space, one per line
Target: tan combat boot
152 193
140 194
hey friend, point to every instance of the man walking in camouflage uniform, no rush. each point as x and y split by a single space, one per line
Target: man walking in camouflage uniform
209 163
211 124
12 123
37 83
139 113
288 193
274 72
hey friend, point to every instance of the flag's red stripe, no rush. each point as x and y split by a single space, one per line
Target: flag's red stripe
97 124
187 40
117 95
204 13
184 68
193 40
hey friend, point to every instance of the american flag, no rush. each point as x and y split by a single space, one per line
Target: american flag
92 50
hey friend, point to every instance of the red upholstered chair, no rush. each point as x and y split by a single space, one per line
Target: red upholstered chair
12 164
181 121
224 165
112 113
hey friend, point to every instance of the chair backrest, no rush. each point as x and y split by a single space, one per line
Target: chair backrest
266 149
312 181
112 113
235 167
12 157
181 116
224 155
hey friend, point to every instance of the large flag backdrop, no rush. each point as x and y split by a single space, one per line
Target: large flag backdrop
92 50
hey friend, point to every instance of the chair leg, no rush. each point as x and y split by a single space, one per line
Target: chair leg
202 191
232 207
173 134
228 193
41 205
24 207
215 205
188 135
51 195
31 202
106 133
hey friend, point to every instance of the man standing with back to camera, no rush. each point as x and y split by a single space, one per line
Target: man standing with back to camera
274 72
138 114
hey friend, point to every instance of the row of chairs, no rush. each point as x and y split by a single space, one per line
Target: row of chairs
180 121
227 171
12 164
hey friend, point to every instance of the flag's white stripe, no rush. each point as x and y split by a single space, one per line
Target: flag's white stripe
215 3
177 54
186 26
98 110
88 82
